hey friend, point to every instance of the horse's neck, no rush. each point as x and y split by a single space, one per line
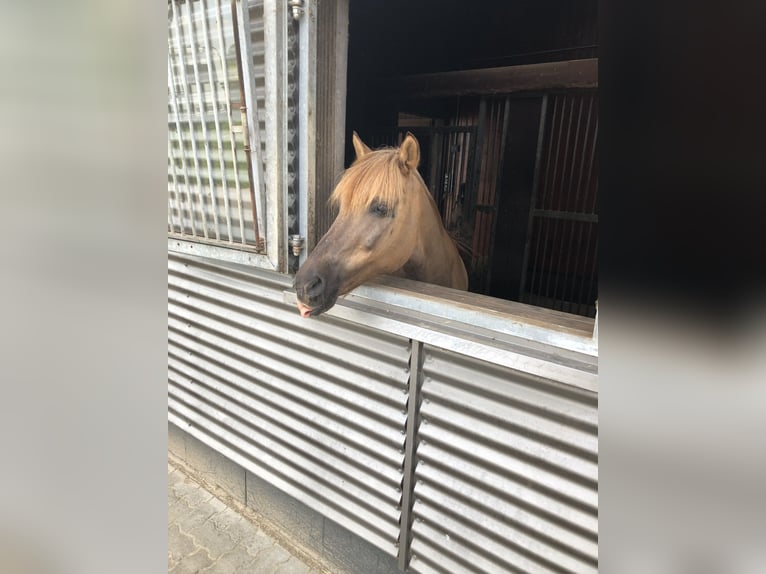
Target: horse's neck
432 258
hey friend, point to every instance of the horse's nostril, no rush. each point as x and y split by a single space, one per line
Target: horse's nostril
315 287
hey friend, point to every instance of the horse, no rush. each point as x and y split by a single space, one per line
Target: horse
387 223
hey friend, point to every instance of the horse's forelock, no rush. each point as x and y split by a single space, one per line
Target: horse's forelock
375 177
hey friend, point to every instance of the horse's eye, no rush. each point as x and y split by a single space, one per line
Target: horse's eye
379 209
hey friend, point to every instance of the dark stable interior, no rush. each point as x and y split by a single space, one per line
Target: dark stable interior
515 175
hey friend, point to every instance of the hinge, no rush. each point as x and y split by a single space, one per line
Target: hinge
297 242
297 8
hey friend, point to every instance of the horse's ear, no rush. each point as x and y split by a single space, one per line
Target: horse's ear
409 153
359 146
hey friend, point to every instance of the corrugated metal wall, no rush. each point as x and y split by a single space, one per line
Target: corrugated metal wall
317 409
506 475
505 463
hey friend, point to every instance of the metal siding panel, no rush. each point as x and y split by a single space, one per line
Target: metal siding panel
315 407
506 475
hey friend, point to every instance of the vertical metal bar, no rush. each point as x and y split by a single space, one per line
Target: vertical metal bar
408 478
538 221
190 108
576 207
488 190
592 226
566 207
558 225
582 159
307 74
174 105
229 118
245 125
473 190
252 131
481 179
216 120
275 20
203 121
443 170
177 206
533 198
470 190
498 180
546 238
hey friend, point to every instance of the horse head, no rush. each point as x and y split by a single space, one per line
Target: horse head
387 223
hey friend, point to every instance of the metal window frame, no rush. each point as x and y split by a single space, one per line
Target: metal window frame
267 186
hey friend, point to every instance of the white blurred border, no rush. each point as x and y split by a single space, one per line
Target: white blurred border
83 287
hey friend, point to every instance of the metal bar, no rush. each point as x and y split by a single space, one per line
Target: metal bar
252 131
548 153
172 161
229 117
587 187
498 180
490 181
245 128
216 121
408 478
481 190
553 195
576 207
533 199
582 161
307 86
218 250
443 168
275 35
471 199
555 254
501 80
190 110
203 122
566 201
174 105
171 227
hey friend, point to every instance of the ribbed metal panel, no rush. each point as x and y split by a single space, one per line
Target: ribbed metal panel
316 408
507 471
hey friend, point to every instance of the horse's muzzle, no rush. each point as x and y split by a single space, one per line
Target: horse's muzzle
315 293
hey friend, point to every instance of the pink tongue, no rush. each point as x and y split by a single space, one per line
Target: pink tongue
304 310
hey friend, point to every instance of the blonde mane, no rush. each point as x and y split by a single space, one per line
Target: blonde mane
375 177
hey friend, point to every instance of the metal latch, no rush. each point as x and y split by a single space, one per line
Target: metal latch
297 8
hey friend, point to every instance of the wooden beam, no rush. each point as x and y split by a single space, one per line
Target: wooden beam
504 80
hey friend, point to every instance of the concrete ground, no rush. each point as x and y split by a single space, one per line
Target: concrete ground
207 536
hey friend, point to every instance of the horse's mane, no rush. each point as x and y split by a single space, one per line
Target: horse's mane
376 176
